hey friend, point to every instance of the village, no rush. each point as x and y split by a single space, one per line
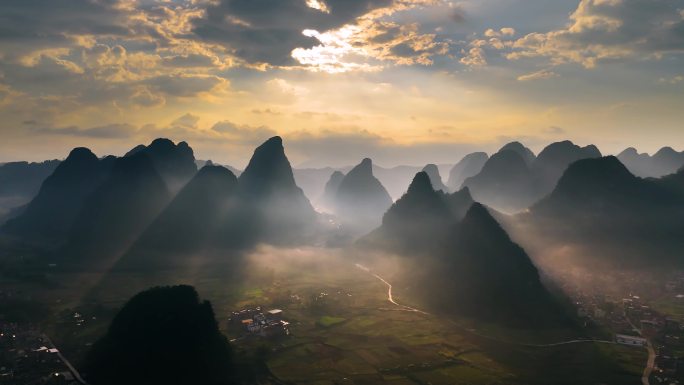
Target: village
256 322
633 321
27 356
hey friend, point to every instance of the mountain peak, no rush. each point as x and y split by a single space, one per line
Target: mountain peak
79 154
366 165
629 151
421 183
268 169
517 147
361 199
273 143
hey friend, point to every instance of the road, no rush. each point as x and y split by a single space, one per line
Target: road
72 369
472 331
650 364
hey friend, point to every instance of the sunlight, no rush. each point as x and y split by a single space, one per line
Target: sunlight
318 4
336 53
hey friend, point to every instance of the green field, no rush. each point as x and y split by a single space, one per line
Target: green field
344 330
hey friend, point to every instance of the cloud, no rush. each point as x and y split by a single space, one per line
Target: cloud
319 32
458 14
186 85
538 75
502 32
264 31
243 134
27 25
554 130
672 80
601 30
108 131
474 57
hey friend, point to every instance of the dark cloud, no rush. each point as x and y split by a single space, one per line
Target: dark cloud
458 15
266 31
27 25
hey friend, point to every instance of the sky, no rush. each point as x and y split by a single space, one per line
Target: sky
400 81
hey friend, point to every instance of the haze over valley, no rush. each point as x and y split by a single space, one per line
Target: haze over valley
334 192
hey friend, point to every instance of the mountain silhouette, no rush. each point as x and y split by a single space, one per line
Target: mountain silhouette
505 182
435 178
600 204
118 211
416 222
491 276
553 160
361 199
331 187
269 185
205 215
525 153
666 161
513 179
174 162
50 215
164 335
469 263
467 167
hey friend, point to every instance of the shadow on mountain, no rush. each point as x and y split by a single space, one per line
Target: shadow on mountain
175 163
117 212
614 217
206 218
268 189
470 264
49 217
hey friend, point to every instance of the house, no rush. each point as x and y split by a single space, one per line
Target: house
275 328
275 314
623 339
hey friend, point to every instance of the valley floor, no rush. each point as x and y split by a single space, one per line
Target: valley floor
344 327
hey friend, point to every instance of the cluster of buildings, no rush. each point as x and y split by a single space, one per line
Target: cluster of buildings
666 336
28 357
635 323
262 323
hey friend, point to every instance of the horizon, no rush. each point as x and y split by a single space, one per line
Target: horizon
401 192
461 76
312 164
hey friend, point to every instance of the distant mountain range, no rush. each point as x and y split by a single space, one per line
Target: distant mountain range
153 202
513 178
664 162
20 182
